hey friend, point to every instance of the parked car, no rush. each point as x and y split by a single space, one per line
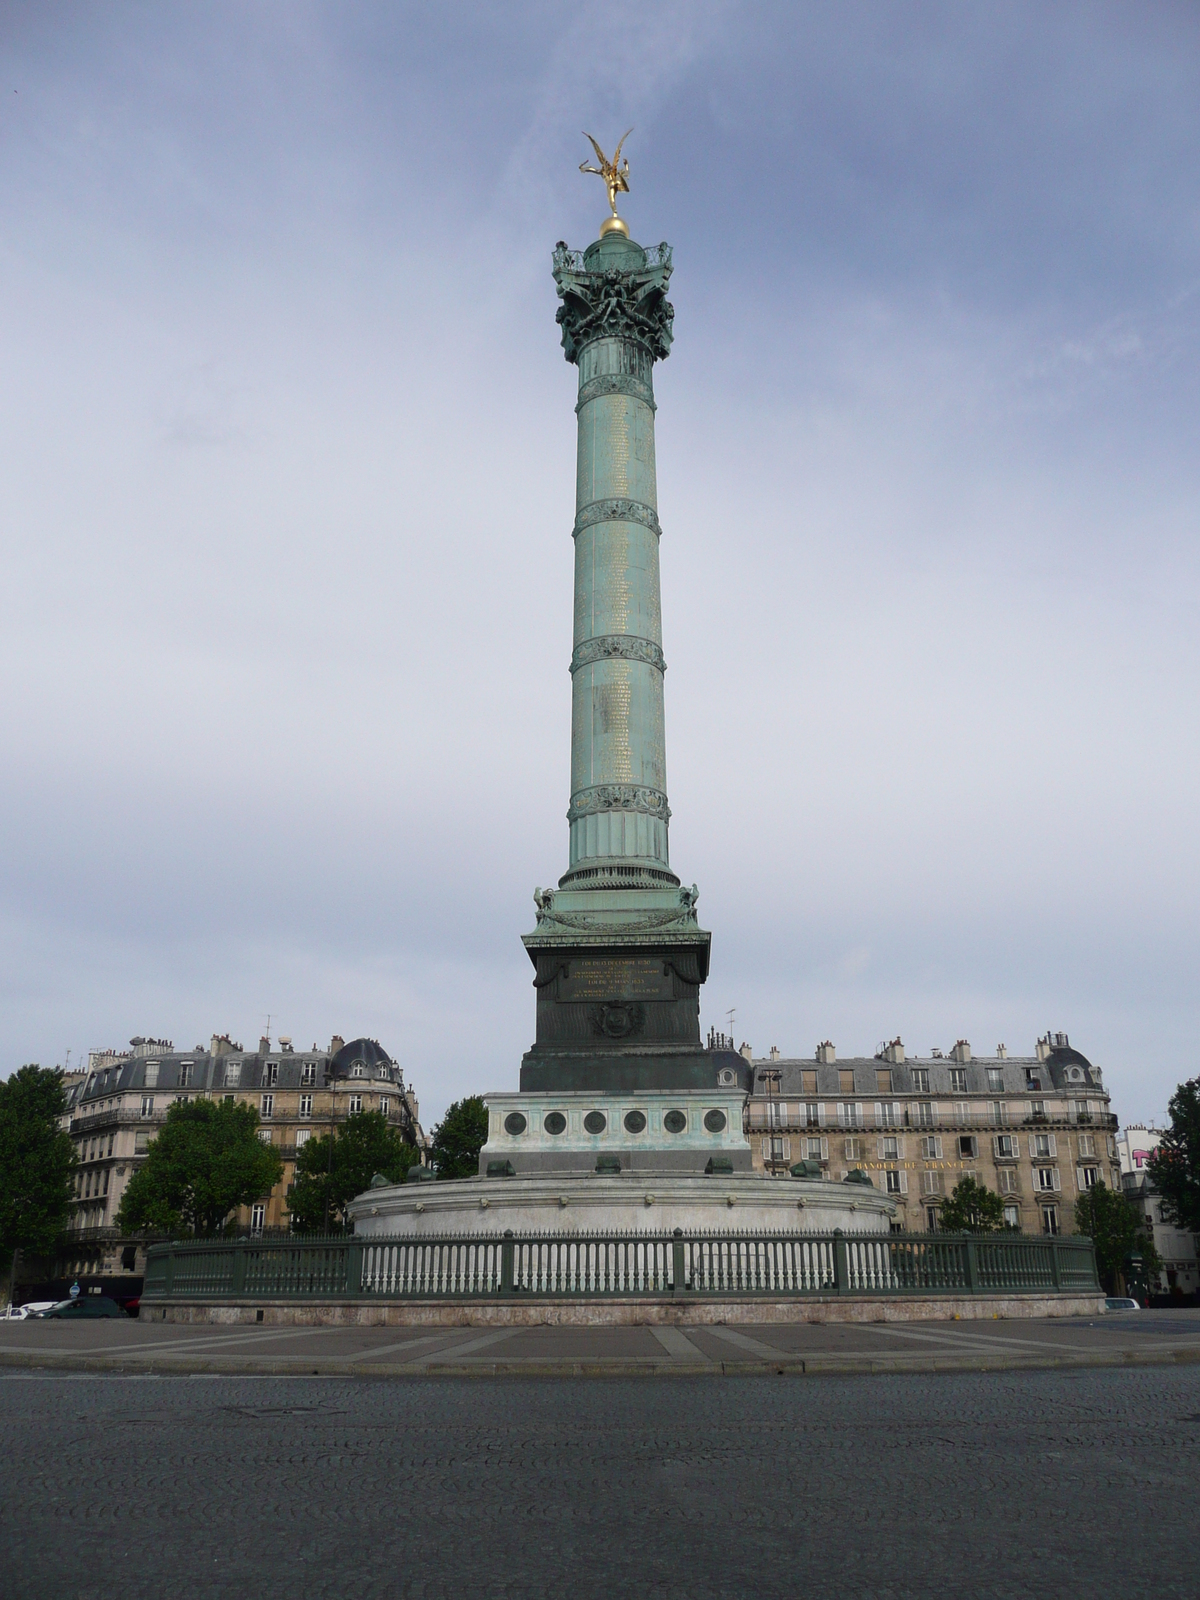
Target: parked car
1119 1302
20 1313
87 1305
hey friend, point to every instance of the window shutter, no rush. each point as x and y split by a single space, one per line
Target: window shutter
879 1148
1053 1146
880 1118
899 1146
1016 1145
903 1181
995 1145
824 1149
1057 1179
787 1149
937 1145
933 1110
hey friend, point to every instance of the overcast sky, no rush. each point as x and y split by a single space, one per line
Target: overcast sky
287 452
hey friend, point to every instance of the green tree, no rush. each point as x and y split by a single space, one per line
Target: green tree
1118 1230
459 1137
331 1170
1174 1168
37 1163
972 1209
206 1161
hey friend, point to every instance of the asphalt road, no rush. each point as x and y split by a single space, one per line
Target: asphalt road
1145 1337
1048 1484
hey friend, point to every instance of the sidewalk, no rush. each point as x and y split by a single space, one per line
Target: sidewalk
1146 1338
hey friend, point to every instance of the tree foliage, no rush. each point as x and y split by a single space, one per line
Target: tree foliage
1174 1168
971 1209
459 1137
328 1179
205 1162
37 1163
1118 1230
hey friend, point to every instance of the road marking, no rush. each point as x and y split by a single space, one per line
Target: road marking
745 1342
678 1345
471 1345
967 1341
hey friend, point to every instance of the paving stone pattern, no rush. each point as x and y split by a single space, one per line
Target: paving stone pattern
1064 1484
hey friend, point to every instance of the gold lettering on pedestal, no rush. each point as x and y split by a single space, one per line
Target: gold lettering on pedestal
617 978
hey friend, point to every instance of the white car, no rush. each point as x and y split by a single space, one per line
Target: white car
19 1313
1118 1302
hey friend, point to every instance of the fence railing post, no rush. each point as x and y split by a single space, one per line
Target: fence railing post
353 1258
678 1270
1055 1264
971 1265
841 1262
169 1271
238 1285
506 1263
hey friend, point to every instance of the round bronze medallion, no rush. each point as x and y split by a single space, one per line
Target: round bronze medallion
554 1122
515 1123
715 1121
635 1122
595 1122
674 1122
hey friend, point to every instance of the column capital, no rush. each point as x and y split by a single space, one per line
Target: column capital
614 290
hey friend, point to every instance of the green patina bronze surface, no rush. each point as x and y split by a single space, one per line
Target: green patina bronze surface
619 953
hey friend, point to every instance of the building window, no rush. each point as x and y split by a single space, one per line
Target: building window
141 1143
999 1115
1006 1146
308 1072
384 1102
925 1114
1037 1110
306 1105
1047 1178
931 1147
104 1182
1044 1146
303 1135
887 1114
846 1080
1049 1219
151 1078
1087 1176
355 1103
1007 1180
920 1077
883 1082
968 1146
265 1135
1032 1078
808 1082
359 1072
854 1149
147 1105
267 1106
995 1077
233 1074
1087 1145
931 1183
850 1114
891 1149
258 1216
1012 1216
816 1150
185 1074
271 1073
958 1080
893 1181
931 1218
780 1148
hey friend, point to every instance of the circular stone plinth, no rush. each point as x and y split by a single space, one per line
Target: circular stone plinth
643 1202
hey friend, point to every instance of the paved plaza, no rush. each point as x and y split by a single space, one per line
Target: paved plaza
1019 1483
812 1348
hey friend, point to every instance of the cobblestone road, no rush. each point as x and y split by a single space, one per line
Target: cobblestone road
1063 1484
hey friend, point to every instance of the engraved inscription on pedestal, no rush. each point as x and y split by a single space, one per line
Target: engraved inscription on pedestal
617 979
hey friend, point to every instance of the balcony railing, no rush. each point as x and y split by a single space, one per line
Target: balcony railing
630 1265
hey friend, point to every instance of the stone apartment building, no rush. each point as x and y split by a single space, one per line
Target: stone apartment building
1035 1129
1180 1273
115 1109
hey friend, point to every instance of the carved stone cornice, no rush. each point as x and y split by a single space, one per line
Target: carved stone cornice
615 303
617 645
619 797
615 383
616 509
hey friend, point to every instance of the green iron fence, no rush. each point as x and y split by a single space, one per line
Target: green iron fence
582 1266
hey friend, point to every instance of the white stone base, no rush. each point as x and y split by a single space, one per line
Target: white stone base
631 1202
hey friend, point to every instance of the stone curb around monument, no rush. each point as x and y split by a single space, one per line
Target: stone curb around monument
181 1365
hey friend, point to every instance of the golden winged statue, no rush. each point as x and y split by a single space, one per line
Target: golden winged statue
615 174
